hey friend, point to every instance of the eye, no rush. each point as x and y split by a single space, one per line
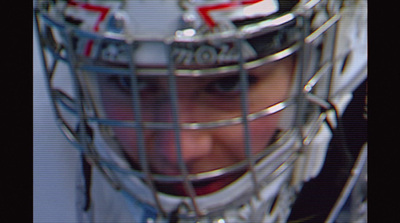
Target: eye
229 84
124 83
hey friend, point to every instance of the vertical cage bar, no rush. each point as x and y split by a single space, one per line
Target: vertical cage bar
244 86
302 75
139 127
73 64
177 129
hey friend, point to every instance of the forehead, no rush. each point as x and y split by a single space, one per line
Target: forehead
277 68
212 71
196 71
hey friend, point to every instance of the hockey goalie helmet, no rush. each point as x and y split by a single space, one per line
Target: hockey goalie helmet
198 109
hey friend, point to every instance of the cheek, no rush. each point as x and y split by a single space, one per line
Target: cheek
262 131
231 139
126 138
118 108
116 105
118 111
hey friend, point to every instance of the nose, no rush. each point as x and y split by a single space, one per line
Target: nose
194 147
193 144
190 145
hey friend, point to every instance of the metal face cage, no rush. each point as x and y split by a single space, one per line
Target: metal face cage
82 122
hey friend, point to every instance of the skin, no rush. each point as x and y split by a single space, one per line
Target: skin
201 99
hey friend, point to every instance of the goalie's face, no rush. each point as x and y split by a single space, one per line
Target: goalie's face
200 99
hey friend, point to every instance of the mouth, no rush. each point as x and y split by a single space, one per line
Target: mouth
201 188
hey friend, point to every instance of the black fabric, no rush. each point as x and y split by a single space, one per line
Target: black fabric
87 174
318 196
86 167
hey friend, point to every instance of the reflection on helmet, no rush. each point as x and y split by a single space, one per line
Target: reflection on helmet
201 110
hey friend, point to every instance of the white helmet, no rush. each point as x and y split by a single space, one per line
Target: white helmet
145 45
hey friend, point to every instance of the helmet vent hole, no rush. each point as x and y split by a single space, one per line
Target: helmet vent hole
273 204
345 63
